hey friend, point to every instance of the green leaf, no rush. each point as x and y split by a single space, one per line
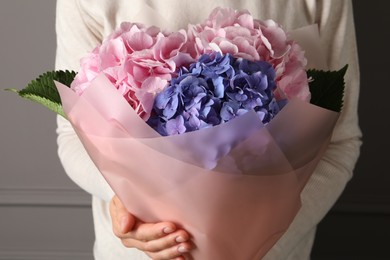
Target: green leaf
327 88
43 90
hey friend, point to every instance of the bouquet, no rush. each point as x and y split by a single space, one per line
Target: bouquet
211 127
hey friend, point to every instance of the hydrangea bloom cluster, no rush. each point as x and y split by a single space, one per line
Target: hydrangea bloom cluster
236 32
140 61
214 90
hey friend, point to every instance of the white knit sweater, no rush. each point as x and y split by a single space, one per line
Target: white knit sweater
81 25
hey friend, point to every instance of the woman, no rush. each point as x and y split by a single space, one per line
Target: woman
82 24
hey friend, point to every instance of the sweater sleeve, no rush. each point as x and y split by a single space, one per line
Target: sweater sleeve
335 19
77 34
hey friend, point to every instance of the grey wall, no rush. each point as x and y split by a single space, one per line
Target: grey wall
43 215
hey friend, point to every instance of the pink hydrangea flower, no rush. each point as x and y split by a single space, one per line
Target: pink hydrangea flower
238 33
138 60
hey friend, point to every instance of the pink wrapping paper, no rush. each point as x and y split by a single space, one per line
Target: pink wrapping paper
235 187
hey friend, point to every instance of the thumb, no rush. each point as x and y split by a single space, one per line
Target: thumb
125 219
126 222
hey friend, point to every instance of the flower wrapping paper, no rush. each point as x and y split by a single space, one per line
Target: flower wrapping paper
235 187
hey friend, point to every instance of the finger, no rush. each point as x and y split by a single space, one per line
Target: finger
174 252
166 242
151 231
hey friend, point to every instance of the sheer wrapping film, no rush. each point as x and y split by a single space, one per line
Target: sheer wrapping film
235 187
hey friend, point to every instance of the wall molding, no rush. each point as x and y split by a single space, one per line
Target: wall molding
44 196
71 197
43 255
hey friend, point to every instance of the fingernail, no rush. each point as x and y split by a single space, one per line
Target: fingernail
182 249
168 230
180 239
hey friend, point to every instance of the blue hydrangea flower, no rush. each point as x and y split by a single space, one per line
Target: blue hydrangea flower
214 90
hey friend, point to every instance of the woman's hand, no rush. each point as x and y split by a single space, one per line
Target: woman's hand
160 241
